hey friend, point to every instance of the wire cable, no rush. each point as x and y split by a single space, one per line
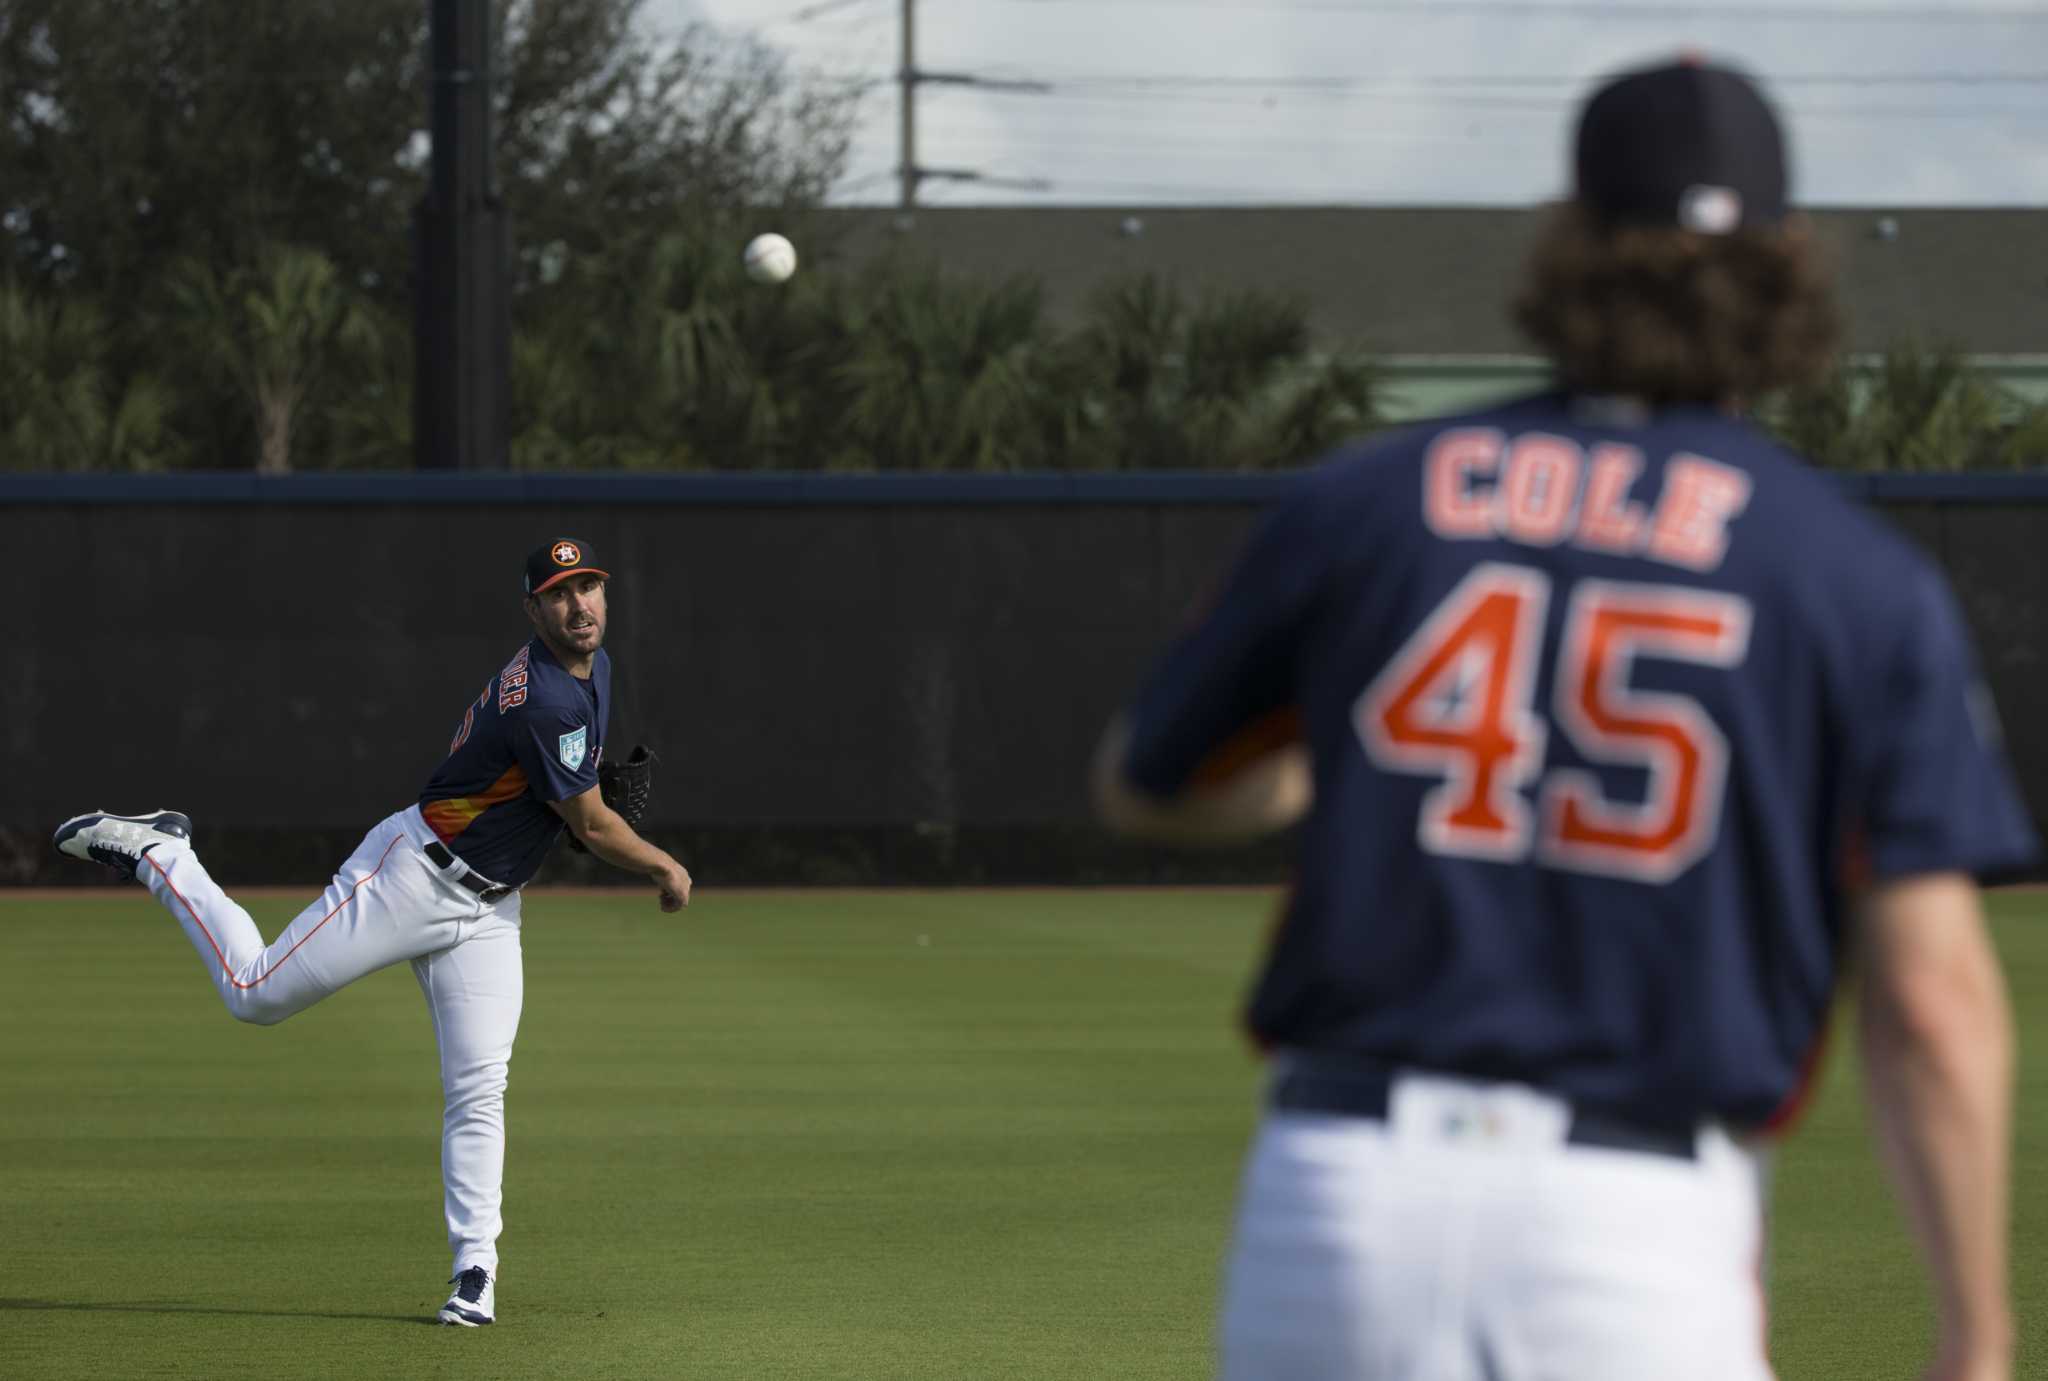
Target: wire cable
817 10
1605 9
1176 81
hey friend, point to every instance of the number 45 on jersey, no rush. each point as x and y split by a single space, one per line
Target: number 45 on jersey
1456 702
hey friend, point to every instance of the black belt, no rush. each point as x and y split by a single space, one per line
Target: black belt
1344 1089
475 882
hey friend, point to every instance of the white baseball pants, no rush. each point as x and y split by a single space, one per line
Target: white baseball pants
388 902
1462 1239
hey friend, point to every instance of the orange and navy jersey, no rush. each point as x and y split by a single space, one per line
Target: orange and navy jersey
535 735
1602 710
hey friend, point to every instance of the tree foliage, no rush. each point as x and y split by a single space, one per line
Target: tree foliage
136 132
1920 408
1231 382
271 331
896 364
206 259
60 405
156 156
141 132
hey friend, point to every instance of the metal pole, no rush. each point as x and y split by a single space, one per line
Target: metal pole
462 253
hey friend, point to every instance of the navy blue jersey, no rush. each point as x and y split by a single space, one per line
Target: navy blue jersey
1603 719
535 735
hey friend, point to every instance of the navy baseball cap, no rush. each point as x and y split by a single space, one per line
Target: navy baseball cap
1688 145
558 560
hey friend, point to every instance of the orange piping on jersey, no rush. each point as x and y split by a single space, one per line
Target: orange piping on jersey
1257 739
1780 1122
451 817
193 912
1856 870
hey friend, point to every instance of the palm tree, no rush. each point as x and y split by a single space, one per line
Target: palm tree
1921 408
941 374
568 414
273 330
620 362
663 355
2024 443
1122 404
1336 397
370 424
60 409
1230 382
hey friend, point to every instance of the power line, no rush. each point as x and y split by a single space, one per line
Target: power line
1173 81
1209 138
868 179
1438 87
1455 103
1448 93
817 10
1240 98
1239 192
1217 142
1605 9
1206 144
1356 141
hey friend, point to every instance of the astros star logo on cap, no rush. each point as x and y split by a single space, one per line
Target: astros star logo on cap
565 554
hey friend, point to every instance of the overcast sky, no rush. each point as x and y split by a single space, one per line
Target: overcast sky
1889 102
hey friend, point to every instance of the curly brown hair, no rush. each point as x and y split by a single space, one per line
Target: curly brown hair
1673 316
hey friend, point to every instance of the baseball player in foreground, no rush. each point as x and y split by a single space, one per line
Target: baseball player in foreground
1615 734
438 884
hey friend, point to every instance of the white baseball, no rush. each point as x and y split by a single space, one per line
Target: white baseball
770 258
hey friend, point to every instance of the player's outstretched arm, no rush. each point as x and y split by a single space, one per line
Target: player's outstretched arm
605 833
1938 1059
1267 794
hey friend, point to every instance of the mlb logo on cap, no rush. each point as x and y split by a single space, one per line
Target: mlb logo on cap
1710 210
559 559
1687 145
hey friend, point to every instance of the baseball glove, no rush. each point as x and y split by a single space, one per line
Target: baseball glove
626 787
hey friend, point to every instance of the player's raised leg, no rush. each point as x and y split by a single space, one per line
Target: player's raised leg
385 904
474 993
119 841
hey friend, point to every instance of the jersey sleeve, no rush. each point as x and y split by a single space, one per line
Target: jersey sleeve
1940 795
1226 687
556 749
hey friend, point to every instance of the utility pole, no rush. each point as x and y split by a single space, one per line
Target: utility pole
908 79
906 76
461 257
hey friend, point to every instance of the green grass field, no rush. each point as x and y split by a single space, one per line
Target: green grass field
808 1134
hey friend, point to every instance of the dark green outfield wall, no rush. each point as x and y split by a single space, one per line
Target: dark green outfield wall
849 680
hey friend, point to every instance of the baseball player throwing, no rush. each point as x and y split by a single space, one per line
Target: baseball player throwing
1613 730
437 884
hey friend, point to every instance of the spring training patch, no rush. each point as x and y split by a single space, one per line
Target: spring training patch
572 748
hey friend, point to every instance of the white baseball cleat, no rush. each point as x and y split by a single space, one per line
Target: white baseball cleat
120 841
471 1306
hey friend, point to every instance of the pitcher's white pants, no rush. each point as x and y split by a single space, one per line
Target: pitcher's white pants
1462 1239
388 902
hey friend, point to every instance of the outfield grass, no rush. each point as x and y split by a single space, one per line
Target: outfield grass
813 1134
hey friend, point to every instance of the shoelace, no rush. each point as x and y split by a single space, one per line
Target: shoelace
470 1284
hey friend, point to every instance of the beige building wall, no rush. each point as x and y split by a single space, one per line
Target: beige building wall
1426 288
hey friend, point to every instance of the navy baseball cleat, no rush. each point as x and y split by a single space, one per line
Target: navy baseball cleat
471 1306
120 841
